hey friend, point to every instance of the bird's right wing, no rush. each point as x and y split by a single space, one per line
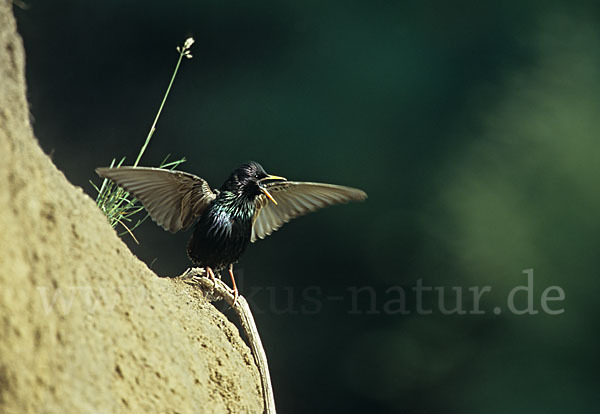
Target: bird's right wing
174 199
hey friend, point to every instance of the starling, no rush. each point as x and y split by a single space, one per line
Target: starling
249 206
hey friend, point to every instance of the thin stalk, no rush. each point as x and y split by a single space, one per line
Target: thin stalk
183 51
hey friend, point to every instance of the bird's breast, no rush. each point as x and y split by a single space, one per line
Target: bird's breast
220 238
220 224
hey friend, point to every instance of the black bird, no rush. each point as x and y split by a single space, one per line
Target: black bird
249 206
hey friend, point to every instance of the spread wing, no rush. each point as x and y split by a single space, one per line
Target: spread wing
296 199
174 199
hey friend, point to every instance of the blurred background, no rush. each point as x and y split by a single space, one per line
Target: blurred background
473 126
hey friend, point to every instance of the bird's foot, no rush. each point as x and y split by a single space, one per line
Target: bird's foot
236 294
192 272
211 274
198 272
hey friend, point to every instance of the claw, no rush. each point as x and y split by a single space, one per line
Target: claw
191 272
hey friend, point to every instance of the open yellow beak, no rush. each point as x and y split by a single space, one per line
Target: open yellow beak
265 191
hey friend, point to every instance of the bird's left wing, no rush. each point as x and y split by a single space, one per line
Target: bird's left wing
174 199
296 199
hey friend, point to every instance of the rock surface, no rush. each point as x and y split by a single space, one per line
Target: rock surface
85 327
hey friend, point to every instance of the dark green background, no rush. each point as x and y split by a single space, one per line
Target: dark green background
473 127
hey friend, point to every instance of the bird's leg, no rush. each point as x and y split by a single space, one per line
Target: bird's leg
235 289
211 274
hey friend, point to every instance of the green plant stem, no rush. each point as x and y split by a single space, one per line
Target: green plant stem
162 104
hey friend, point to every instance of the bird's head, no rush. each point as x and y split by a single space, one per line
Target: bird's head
248 180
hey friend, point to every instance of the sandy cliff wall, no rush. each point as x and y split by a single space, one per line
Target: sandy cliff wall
121 339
